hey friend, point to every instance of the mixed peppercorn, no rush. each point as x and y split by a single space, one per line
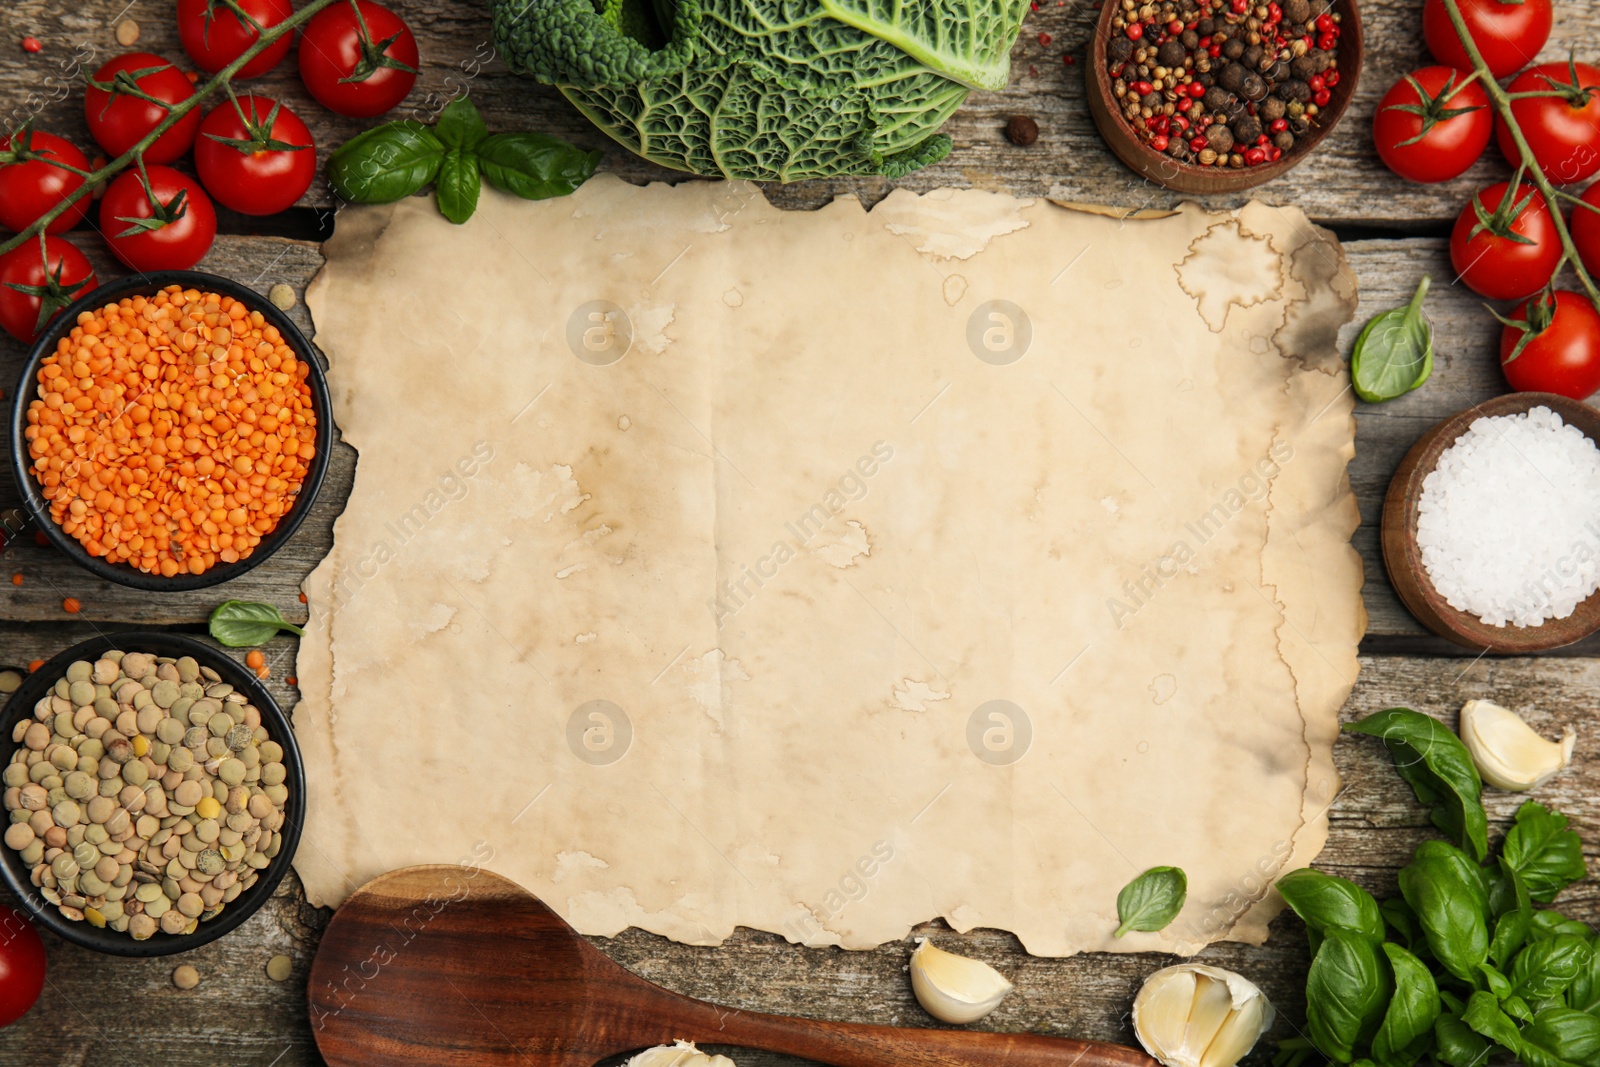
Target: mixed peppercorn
1224 83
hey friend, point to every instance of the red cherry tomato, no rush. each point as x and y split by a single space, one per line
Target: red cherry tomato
1486 257
1560 352
30 184
358 59
174 233
214 35
257 158
118 121
1430 127
1563 131
35 284
21 965
1585 230
1509 35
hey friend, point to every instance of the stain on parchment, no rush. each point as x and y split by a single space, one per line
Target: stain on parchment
1227 268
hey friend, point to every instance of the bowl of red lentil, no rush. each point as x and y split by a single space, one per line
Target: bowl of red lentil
1219 96
171 430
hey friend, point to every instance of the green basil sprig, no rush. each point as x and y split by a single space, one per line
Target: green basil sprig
1408 1020
1152 900
1443 887
243 624
1547 854
456 155
1439 769
1394 353
1558 1036
1346 992
1328 903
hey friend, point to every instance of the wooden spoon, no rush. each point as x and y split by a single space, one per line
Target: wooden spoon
454 965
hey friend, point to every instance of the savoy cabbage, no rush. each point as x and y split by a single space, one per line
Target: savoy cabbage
771 90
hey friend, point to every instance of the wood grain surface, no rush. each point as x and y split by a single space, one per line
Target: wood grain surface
104 1012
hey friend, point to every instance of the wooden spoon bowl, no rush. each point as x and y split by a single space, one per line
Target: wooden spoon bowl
1162 169
1402 556
437 965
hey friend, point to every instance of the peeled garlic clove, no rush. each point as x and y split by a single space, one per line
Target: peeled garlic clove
679 1054
1505 749
952 988
1192 1015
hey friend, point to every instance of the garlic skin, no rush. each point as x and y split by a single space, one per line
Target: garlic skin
679 1054
1192 1015
954 989
1507 752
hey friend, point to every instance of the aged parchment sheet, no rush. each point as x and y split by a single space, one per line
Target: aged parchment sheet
826 572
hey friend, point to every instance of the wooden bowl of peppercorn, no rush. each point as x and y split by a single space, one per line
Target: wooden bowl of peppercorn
1219 96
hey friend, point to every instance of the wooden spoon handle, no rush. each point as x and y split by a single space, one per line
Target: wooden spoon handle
860 1045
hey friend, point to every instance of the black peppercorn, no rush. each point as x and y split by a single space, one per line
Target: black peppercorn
1205 28
1277 71
1022 130
1233 49
1189 39
1218 99
1119 49
1297 10
1219 139
1294 91
1171 54
1283 139
1303 67
1254 88
1232 79
1246 129
1252 56
1152 100
1271 109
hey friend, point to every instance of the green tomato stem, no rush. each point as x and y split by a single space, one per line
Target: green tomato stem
223 77
1502 105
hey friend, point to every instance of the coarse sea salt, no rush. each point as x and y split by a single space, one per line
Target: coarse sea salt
1509 519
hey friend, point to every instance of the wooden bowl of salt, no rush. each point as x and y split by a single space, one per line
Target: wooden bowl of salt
1465 565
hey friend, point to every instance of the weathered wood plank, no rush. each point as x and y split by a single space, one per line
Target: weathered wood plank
237 1016
1466 372
1343 182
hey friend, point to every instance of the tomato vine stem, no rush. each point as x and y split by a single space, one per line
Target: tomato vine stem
175 114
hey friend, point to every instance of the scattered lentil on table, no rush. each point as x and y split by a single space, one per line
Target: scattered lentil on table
127 33
1022 130
171 433
185 976
282 297
279 968
10 682
144 793
1223 82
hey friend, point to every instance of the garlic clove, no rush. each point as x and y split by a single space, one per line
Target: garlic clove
678 1054
1192 1015
1508 753
955 989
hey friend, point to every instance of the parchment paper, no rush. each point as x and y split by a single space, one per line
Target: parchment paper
963 558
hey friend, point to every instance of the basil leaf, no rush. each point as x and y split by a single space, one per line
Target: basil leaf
1559 1036
1584 992
1511 910
241 623
1516 1007
1497 982
1442 886
1152 900
1345 994
1403 921
1394 353
1440 771
1326 903
460 125
1547 854
1484 1015
1546 968
1457 1044
1547 924
458 185
1412 1010
534 166
386 163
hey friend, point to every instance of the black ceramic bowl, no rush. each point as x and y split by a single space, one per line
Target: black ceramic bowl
15 873
147 285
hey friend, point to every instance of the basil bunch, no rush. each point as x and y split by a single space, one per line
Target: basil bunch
398 159
1462 962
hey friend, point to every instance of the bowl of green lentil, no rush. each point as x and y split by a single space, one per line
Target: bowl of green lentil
120 754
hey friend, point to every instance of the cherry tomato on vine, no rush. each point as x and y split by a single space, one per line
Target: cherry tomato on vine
1551 344
118 120
32 183
214 35
1563 130
358 59
1508 35
168 224
22 965
1505 246
255 156
35 284
1432 125
1585 229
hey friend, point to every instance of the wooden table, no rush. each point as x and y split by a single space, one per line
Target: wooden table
99 1010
